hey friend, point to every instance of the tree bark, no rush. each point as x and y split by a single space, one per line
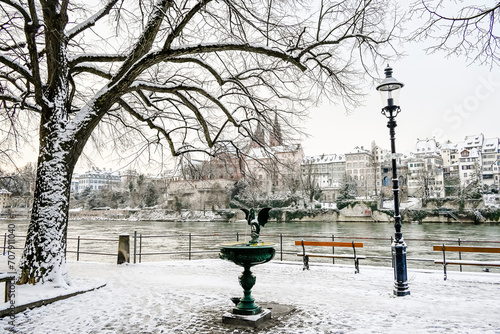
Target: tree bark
44 258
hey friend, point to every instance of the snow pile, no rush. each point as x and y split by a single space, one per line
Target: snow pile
192 296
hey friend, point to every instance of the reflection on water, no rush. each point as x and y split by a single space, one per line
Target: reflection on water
376 238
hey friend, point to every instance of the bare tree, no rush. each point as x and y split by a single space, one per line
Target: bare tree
188 76
458 29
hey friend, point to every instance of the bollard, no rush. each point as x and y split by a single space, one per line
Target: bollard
123 248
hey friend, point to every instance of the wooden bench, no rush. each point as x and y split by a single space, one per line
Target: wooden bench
466 249
306 255
8 279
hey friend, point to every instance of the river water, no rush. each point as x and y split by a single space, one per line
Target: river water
173 237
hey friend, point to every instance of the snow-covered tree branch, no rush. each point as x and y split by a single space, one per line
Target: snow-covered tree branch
470 30
186 75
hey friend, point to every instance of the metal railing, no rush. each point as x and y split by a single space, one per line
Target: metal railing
190 245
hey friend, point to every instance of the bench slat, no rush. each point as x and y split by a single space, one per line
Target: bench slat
333 256
328 243
471 249
472 263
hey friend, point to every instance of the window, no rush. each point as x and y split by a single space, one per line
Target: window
386 182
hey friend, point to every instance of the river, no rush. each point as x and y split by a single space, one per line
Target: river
206 235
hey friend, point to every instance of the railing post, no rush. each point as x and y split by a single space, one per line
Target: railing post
237 236
140 248
135 244
460 255
123 249
189 245
4 243
78 249
281 245
392 258
333 249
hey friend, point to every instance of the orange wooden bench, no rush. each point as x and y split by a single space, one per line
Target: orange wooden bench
466 249
306 255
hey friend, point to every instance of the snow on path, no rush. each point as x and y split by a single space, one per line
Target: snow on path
191 297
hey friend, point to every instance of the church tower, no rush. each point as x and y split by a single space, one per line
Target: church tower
275 137
259 136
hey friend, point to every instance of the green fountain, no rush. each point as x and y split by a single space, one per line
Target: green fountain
247 255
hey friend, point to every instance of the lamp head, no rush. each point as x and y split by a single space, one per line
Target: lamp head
389 89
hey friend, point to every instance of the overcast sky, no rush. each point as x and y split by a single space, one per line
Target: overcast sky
445 98
442 98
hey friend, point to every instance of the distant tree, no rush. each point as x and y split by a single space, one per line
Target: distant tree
474 190
309 182
93 200
460 28
348 189
451 186
238 189
167 78
150 195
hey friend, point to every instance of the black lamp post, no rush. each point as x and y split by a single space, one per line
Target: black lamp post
389 90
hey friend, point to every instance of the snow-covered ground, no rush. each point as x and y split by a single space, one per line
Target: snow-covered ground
192 296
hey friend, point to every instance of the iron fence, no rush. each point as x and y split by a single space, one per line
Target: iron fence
197 246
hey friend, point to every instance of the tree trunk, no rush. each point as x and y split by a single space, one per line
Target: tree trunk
44 258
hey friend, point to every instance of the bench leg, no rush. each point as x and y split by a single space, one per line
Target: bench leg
444 268
7 290
356 265
305 258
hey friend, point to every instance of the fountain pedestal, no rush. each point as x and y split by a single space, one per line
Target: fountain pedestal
246 306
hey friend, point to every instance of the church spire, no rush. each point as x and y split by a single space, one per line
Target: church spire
259 136
276 138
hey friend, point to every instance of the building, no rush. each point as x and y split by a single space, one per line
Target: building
491 162
364 170
275 169
324 172
469 166
97 179
425 170
269 164
4 199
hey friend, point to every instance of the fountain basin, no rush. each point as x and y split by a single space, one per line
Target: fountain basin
247 254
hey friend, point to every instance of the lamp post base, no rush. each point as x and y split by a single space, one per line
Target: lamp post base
401 287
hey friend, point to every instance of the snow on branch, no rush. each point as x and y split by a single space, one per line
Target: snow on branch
22 70
18 101
143 85
91 21
19 7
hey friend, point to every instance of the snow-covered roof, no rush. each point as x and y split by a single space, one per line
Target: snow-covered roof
449 146
261 153
426 146
491 145
100 172
358 150
323 159
474 141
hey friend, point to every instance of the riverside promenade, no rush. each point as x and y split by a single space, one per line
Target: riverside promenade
192 296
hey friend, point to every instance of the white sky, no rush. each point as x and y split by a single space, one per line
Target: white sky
442 98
